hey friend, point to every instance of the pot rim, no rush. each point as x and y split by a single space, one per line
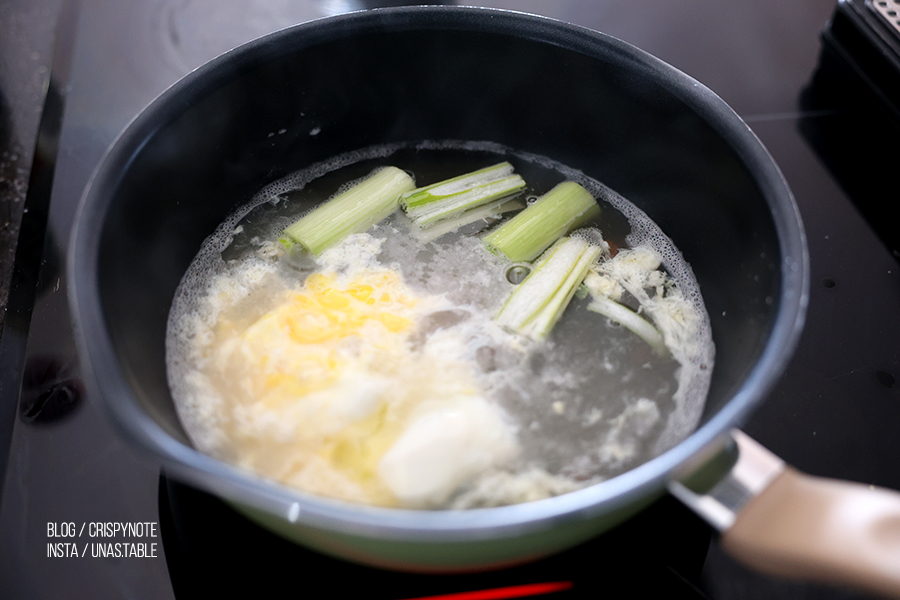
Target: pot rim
648 479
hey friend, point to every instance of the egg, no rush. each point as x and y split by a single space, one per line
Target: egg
331 395
324 330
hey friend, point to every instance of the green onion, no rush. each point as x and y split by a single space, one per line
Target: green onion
353 211
631 320
498 207
559 211
449 198
539 301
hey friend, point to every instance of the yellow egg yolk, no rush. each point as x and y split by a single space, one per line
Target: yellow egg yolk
314 370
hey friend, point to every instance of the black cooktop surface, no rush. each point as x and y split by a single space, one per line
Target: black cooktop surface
834 413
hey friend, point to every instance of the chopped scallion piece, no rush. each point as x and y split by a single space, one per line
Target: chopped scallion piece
559 211
427 234
537 304
451 197
631 320
353 211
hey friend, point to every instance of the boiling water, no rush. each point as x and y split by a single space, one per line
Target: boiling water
590 402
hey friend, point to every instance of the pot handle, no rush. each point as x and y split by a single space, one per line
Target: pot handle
782 522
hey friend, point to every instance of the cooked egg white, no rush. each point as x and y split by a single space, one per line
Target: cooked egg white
327 393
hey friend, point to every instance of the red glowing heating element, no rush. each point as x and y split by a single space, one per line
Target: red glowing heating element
516 591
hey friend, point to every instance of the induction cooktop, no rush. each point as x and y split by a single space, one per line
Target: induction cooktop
780 65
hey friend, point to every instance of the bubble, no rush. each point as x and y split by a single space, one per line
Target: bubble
516 274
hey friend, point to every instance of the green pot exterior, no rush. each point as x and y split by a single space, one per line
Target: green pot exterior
423 556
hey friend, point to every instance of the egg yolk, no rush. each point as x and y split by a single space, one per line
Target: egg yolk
316 364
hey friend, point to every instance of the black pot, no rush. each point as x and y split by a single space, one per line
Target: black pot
589 101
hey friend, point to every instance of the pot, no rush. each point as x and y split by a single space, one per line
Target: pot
320 89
